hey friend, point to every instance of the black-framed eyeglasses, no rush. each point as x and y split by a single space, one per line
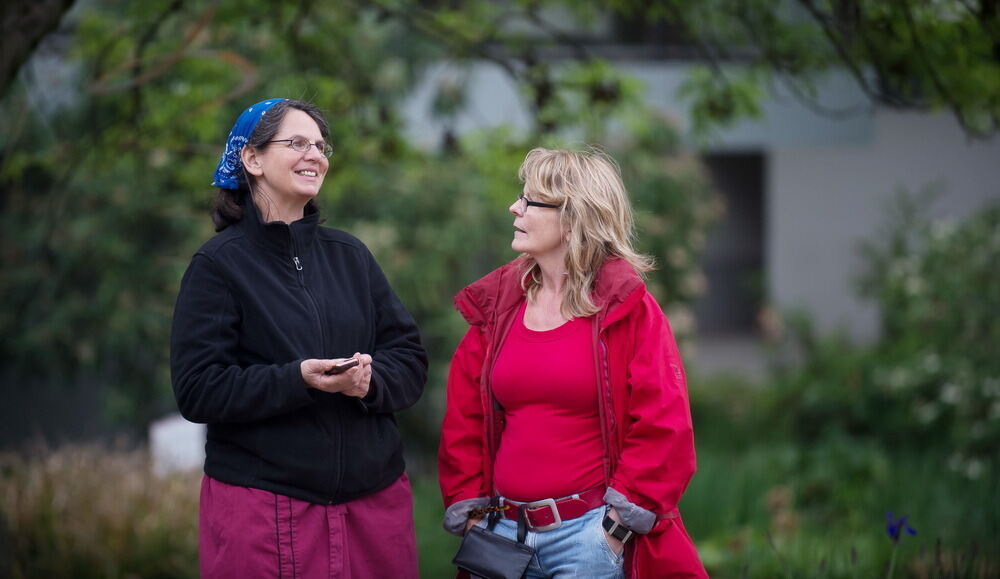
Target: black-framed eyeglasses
302 145
529 203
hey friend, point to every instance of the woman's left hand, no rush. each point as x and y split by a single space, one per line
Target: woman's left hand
472 522
616 546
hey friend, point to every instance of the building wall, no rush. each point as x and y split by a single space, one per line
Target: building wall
823 201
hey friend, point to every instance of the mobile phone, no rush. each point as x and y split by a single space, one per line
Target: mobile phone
343 366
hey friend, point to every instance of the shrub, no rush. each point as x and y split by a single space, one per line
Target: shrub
85 512
933 376
939 293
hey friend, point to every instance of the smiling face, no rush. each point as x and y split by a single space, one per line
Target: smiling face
538 231
284 175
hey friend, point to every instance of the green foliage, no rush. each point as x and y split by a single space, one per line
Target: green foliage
89 513
933 377
764 510
907 54
765 504
719 102
106 195
796 474
435 546
936 285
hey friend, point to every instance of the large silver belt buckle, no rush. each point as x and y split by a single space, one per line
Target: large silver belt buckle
551 504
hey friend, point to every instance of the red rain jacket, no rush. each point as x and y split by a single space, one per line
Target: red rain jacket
645 415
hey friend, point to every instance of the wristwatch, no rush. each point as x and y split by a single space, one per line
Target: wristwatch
616 529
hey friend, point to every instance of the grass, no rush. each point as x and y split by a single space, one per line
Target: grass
778 509
435 545
758 509
87 512
775 510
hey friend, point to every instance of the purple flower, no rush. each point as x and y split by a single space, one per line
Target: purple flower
895 527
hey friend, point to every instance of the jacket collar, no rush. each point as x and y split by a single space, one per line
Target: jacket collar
284 239
484 300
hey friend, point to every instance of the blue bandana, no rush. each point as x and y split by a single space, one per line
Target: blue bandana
230 166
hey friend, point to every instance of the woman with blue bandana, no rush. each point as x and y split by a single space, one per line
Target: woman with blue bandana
290 345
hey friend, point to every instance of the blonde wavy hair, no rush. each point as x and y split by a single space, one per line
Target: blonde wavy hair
595 212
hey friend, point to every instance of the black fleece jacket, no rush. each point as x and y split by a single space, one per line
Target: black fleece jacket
257 299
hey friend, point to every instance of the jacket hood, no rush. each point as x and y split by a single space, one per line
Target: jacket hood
482 301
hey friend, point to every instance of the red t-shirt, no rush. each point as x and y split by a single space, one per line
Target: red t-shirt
547 385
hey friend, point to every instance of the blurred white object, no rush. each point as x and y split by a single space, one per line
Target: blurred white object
176 445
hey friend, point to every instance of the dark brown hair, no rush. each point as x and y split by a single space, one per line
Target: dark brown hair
228 206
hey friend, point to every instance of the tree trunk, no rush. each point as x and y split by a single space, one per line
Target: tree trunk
25 23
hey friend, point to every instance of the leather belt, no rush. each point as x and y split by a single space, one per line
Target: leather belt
548 514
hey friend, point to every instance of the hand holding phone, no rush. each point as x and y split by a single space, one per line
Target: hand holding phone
341 367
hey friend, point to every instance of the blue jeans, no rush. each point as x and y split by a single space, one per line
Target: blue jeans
576 549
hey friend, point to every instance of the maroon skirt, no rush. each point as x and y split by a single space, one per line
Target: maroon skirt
249 533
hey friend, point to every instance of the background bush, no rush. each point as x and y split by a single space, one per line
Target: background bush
106 152
932 378
106 191
90 512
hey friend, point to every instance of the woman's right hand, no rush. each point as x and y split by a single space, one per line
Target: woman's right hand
352 382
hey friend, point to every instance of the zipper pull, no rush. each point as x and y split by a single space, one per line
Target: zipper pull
298 266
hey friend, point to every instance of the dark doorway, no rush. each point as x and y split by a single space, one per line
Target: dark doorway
733 260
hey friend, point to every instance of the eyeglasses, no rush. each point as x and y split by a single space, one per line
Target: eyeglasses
302 145
529 203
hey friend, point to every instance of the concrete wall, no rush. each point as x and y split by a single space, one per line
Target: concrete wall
822 201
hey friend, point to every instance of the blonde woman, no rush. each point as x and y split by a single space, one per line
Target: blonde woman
567 394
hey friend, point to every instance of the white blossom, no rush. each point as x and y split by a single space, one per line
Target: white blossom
950 393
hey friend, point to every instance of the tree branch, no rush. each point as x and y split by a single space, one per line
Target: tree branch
855 70
787 77
821 109
102 84
238 61
580 51
894 98
139 54
419 21
295 29
924 59
708 56
25 23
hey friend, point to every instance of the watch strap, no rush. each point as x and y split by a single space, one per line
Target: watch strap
616 529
